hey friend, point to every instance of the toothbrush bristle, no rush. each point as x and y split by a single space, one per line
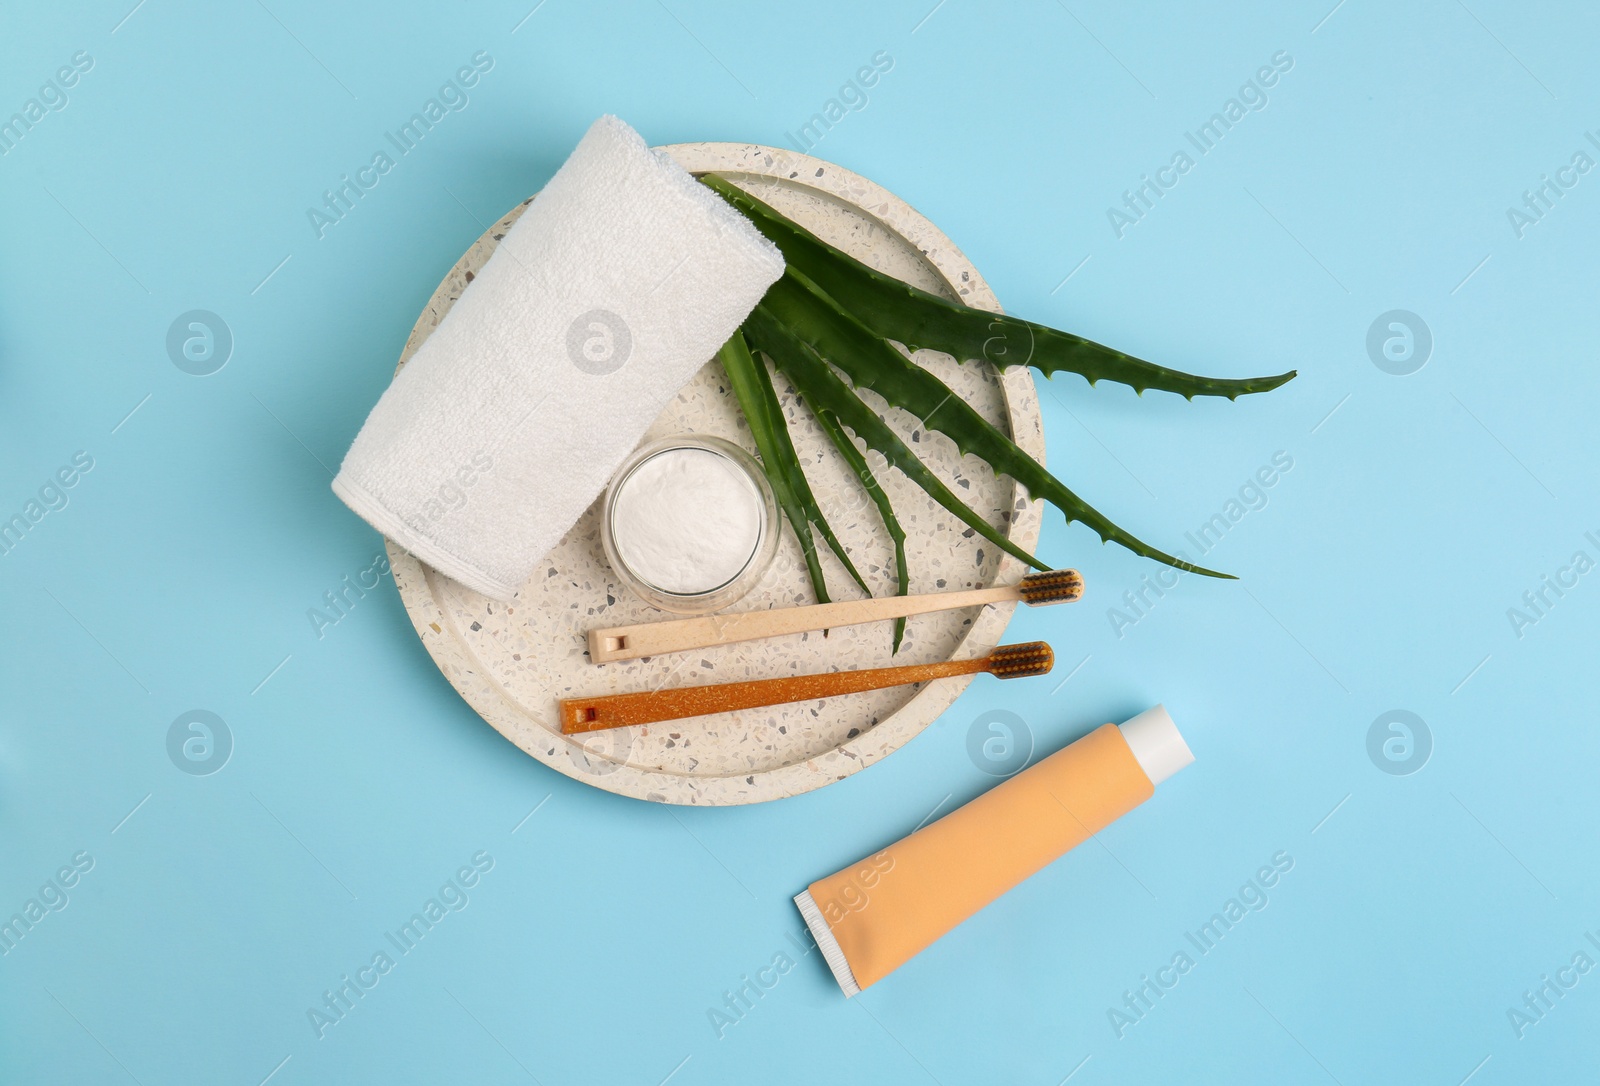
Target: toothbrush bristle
1052 586
1021 661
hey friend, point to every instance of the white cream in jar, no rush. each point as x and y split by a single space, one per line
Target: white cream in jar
690 523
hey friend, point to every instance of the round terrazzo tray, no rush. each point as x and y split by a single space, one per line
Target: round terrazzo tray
511 662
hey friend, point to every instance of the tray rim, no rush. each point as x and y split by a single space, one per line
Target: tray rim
418 583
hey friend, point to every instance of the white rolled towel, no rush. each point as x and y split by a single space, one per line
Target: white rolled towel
615 286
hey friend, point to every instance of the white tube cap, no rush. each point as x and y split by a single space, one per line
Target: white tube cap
1156 744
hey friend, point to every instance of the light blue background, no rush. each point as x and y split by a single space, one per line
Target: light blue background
1378 576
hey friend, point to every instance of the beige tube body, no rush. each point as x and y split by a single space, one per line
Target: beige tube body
873 916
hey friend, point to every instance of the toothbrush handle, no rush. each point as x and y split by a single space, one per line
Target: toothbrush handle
677 635
621 710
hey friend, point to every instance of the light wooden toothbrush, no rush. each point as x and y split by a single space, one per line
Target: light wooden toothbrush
621 710
679 635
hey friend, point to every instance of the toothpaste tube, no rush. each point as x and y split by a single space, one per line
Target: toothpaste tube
874 916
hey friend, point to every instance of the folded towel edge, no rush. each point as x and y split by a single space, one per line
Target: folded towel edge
375 513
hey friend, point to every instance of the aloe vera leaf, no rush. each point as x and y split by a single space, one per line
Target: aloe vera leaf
873 363
896 310
869 482
819 385
752 386
741 369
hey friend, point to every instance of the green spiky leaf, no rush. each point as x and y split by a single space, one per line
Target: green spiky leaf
868 482
752 386
815 318
820 386
896 310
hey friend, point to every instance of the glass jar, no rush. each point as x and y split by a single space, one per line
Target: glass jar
690 523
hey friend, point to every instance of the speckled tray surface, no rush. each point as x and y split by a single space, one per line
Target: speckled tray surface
512 662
